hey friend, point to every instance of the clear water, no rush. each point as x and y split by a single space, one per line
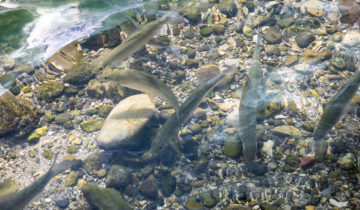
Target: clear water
209 171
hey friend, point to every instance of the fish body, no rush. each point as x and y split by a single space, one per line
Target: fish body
134 42
333 111
144 82
21 198
170 129
252 100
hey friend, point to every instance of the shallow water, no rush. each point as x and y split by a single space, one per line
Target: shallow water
204 166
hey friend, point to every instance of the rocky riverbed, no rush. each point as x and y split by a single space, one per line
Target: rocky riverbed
308 51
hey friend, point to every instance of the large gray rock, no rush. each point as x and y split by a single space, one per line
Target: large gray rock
124 127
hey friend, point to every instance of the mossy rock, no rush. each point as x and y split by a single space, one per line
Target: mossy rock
104 198
48 154
207 200
71 178
105 110
92 125
206 31
232 149
228 7
193 204
79 75
219 29
50 90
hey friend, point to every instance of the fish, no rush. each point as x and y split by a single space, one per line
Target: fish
169 131
252 100
21 198
332 113
135 42
144 82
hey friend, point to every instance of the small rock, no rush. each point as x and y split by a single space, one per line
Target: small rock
351 38
315 8
118 177
307 162
291 60
219 29
148 187
247 31
259 169
338 204
232 149
207 200
100 173
50 90
167 184
228 7
287 131
79 75
104 198
346 162
71 178
63 203
61 119
206 31
273 35
303 39
92 125
192 204
48 154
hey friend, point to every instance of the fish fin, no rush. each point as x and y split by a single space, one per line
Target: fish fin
57 168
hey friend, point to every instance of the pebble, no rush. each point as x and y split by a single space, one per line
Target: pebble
303 39
291 60
347 161
273 35
287 131
63 203
337 203
315 8
351 38
307 162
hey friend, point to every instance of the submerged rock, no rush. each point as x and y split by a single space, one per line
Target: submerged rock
104 198
92 125
66 58
148 187
304 38
118 177
351 38
123 127
50 90
79 75
17 115
287 131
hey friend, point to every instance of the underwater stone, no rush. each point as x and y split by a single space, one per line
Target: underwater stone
206 31
105 110
104 198
193 204
273 35
66 58
48 154
286 22
17 115
207 200
247 31
167 184
148 187
228 7
126 121
92 125
37 134
287 131
303 39
346 162
315 8
193 14
207 72
50 90
118 177
95 89
79 75
291 60
61 119
218 29
232 149
71 178
63 203
351 38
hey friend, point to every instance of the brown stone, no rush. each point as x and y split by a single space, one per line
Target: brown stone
307 162
66 58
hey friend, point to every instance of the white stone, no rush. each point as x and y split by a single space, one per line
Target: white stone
351 38
126 120
337 203
267 148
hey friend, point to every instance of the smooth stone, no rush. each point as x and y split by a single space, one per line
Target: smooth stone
127 119
95 89
218 29
193 204
291 60
259 169
61 119
105 110
232 149
247 31
193 15
48 154
303 39
286 22
104 198
71 178
207 72
351 38
207 200
307 162
148 187
167 184
79 75
338 204
228 7
273 35
206 31
63 203
312 57
287 131
92 125
315 8
50 90
346 162
118 177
